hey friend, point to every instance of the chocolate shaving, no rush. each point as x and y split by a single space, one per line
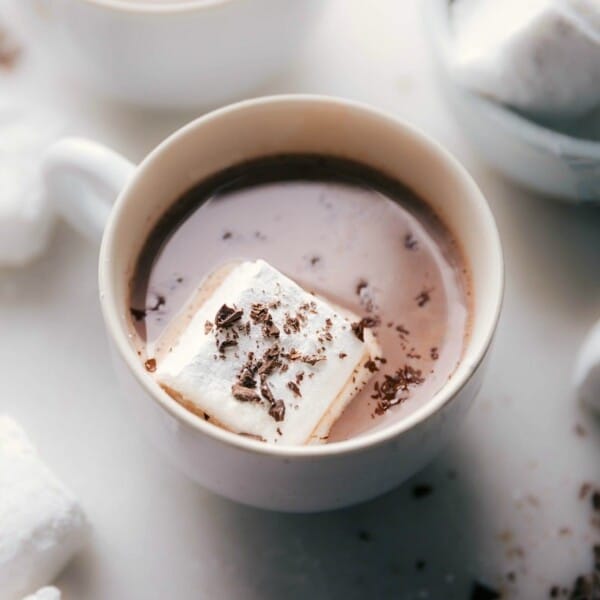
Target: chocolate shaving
479 591
387 391
246 377
137 313
423 298
364 323
270 361
299 377
150 365
291 325
270 330
277 411
342 355
259 313
222 346
313 359
360 286
226 316
421 490
295 389
244 394
371 366
434 353
410 243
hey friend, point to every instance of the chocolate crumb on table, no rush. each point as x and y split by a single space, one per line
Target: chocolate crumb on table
479 591
422 490
364 535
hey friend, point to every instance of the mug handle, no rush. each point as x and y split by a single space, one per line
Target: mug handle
82 180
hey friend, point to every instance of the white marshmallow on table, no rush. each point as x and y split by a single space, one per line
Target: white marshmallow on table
46 593
539 56
26 218
587 370
41 523
321 366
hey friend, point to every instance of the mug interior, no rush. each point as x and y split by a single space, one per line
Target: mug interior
303 124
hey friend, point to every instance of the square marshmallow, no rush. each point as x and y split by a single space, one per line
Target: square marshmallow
264 358
41 522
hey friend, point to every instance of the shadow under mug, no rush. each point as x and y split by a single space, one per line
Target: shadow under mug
84 179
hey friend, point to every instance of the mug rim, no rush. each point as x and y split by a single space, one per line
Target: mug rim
443 396
147 7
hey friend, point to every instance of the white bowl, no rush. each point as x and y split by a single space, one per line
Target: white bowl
172 54
539 158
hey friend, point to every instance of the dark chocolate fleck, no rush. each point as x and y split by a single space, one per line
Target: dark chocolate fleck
364 535
226 316
277 410
150 365
422 490
371 366
291 325
270 330
137 313
222 346
410 243
295 389
244 394
312 359
364 323
360 286
423 298
479 591
342 355
226 235
434 353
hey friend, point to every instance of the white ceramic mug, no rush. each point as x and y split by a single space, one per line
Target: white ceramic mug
85 178
170 53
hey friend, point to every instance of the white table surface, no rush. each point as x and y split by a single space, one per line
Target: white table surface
518 461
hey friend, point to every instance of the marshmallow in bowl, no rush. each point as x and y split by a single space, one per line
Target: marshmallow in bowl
262 357
587 370
41 522
539 56
46 593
